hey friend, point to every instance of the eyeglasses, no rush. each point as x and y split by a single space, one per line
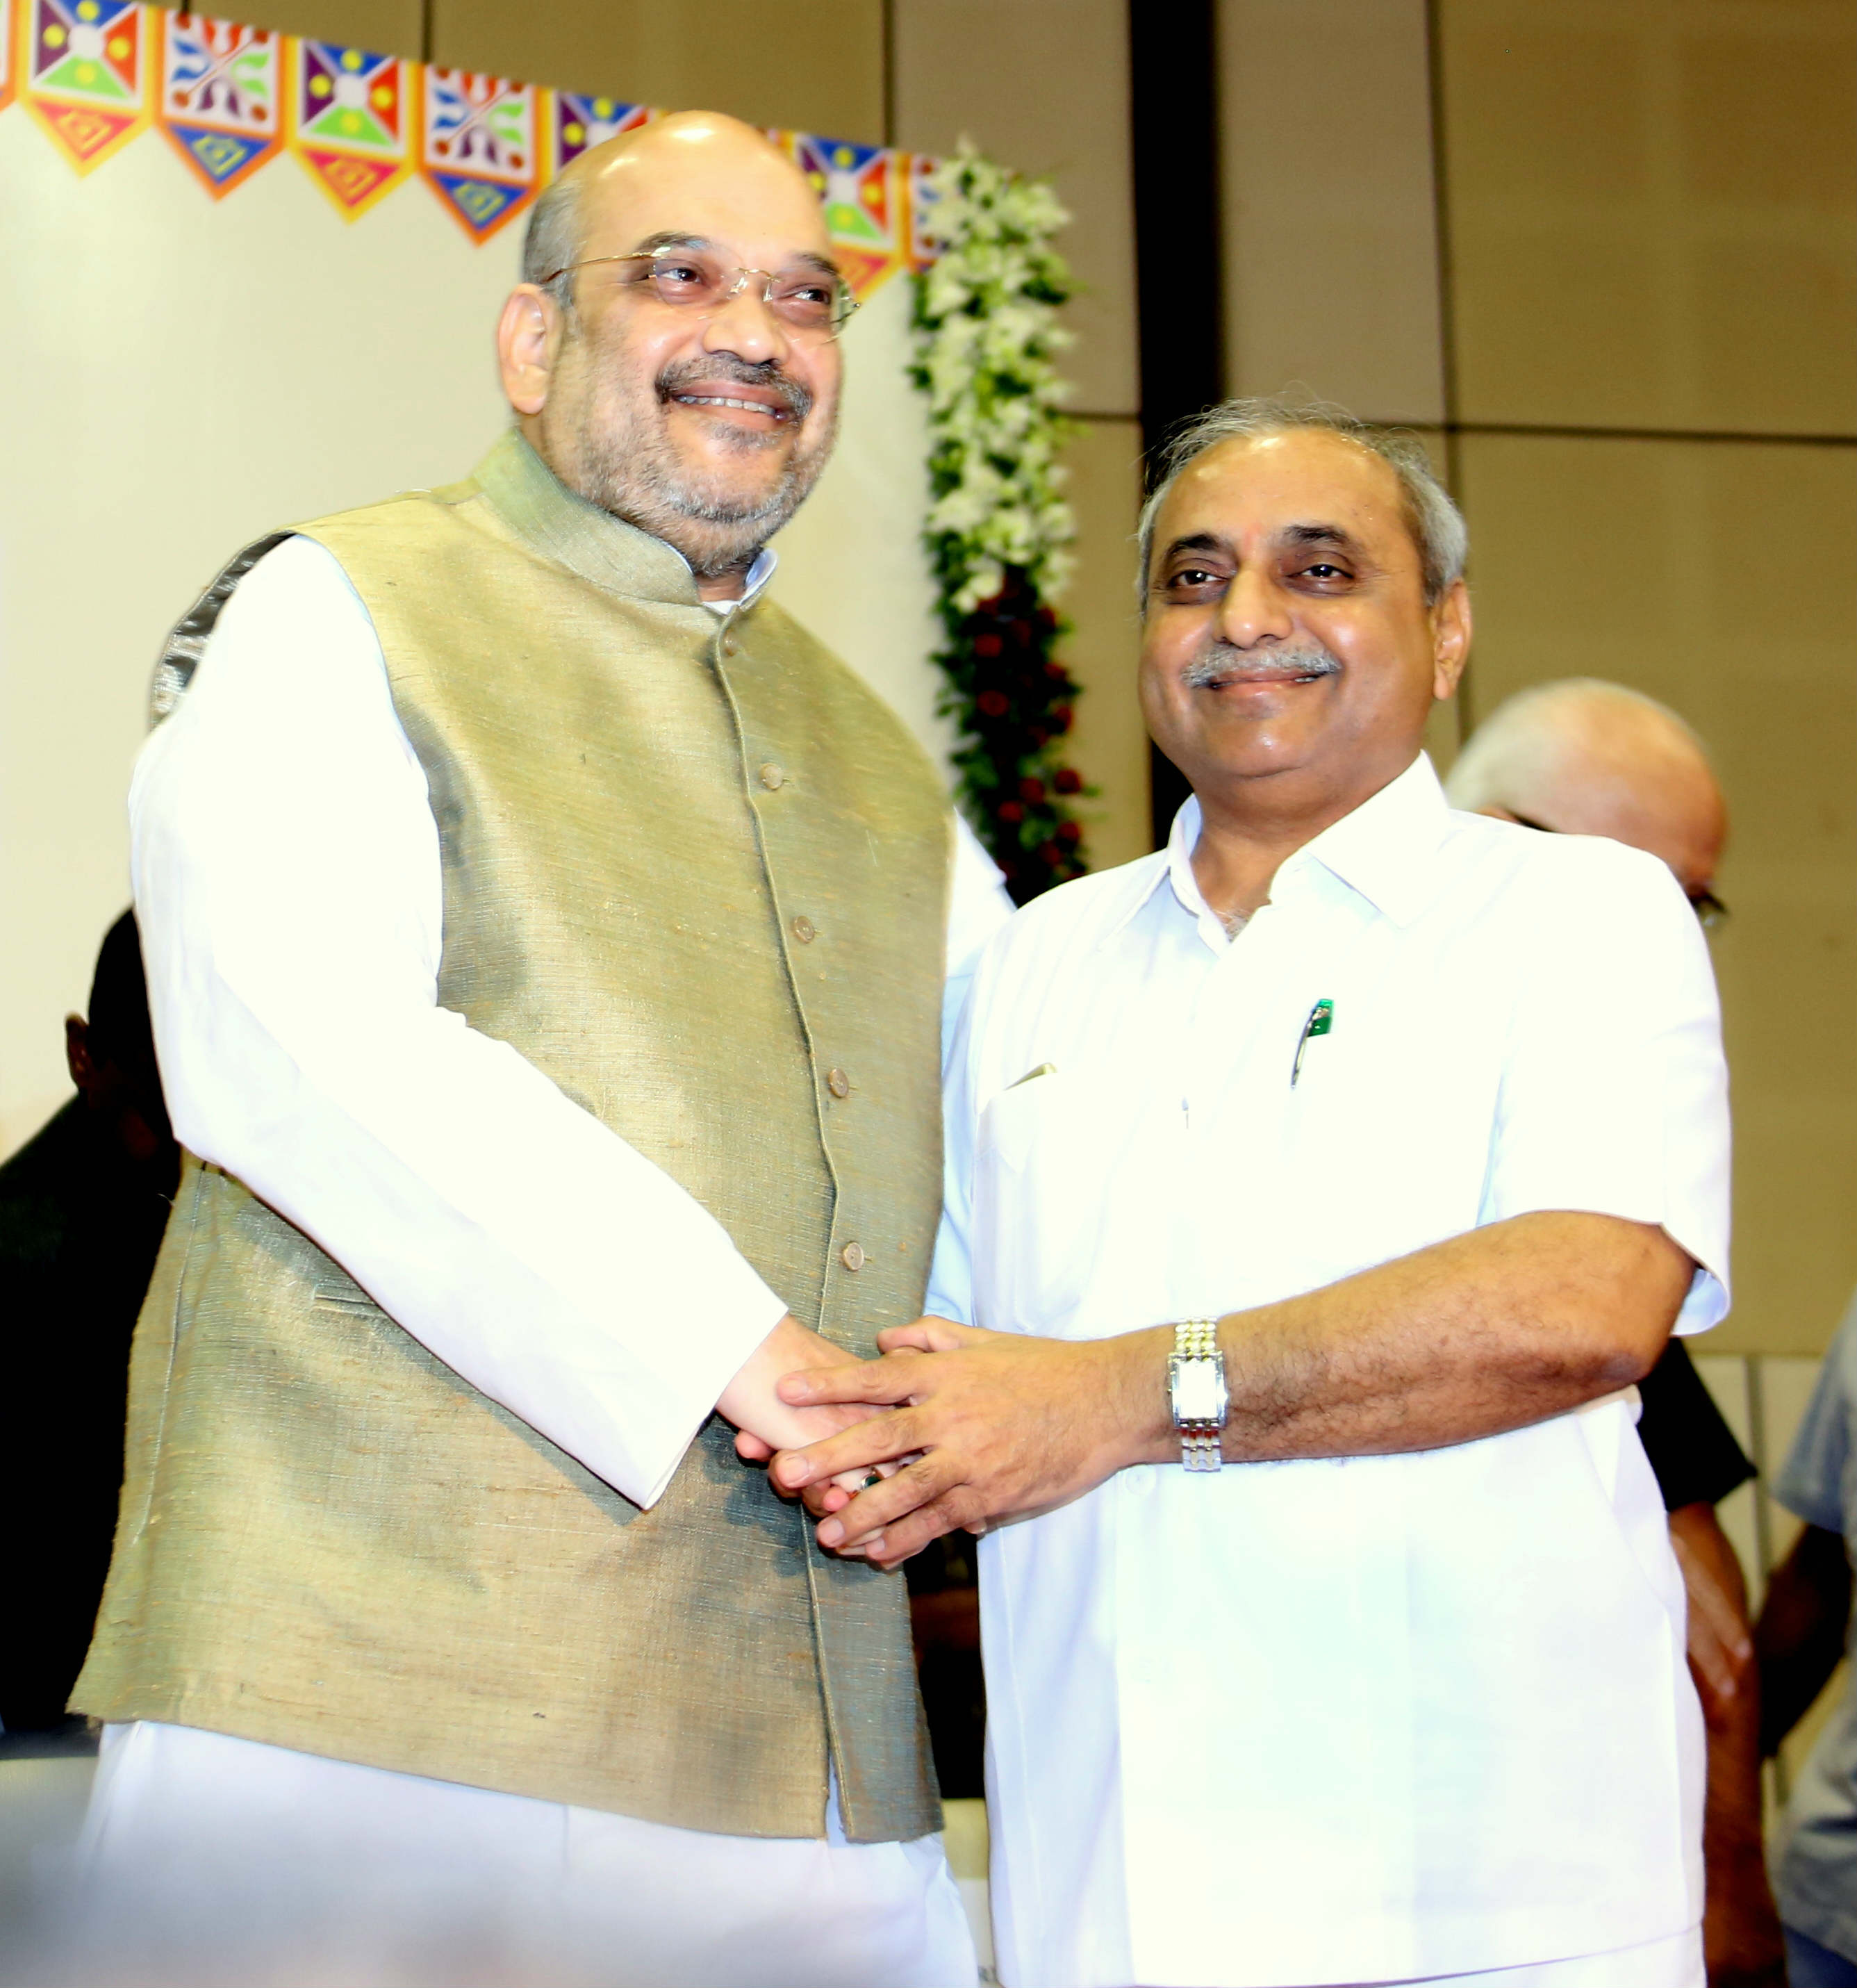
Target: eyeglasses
812 302
1708 908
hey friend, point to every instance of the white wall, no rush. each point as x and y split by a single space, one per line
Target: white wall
178 375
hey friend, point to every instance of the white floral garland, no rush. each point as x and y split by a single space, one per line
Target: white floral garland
999 529
986 336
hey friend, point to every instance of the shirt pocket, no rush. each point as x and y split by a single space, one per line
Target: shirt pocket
1045 1155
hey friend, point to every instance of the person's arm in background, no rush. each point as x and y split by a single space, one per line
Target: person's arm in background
1800 1637
288 881
1804 1620
1742 1942
1697 1462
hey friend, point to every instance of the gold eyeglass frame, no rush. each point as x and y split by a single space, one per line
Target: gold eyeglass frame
847 303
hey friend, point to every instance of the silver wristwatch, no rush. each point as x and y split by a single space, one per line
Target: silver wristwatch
1196 1384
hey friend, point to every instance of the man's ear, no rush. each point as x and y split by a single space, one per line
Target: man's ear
78 1059
529 339
1450 623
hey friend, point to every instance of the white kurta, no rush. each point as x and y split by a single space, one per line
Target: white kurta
1369 1719
288 885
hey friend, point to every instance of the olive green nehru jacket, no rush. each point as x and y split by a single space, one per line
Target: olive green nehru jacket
697 874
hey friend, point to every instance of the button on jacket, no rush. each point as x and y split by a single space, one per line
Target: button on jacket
1368 1719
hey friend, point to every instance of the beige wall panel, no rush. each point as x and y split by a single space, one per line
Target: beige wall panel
1717 577
389 27
804 64
1653 212
1331 247
1741 291
1109 745
1043 86
1766 116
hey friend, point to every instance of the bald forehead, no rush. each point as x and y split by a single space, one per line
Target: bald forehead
701 174
1625 732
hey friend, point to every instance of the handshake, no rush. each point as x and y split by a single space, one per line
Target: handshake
952 1427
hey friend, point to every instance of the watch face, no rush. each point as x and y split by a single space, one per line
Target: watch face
1198 1389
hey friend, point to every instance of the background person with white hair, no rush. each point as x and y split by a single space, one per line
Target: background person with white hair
1581 756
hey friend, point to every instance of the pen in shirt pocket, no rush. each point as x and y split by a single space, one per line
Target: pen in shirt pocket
1320 1023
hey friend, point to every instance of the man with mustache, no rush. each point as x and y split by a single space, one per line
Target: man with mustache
547 942
1370 1151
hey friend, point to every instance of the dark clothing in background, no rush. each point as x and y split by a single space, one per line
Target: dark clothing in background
1692 1450
80 1223
945 1611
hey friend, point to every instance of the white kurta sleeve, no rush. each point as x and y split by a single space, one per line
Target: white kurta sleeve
978 905
950 1288
287 886
1614 1096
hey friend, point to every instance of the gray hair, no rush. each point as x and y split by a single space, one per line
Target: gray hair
1436 523
552 240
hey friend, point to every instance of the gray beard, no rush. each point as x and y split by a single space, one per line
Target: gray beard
1220 662
630 467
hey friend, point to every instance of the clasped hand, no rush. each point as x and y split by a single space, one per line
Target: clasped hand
975 1427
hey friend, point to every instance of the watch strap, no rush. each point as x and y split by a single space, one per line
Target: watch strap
1195 1387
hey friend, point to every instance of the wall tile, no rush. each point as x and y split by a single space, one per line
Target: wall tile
1775 327
1653 213
1769 118
1716 577
1330 250
804 64
1110 743
1531 110
1043 86
393 27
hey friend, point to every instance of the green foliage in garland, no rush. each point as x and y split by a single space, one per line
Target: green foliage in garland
999 530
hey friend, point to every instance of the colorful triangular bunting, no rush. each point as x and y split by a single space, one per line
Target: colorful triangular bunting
353 121
219 98
864 191
580 123
10 64
84 74
479 149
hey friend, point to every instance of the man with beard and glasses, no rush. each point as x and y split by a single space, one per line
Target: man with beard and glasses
1371 1150
548 942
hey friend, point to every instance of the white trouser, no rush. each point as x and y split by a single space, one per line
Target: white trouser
206 1856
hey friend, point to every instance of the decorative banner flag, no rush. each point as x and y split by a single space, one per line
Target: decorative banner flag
480 152
924 244
96 73
85 74
581 122
866 199
353 119
221 97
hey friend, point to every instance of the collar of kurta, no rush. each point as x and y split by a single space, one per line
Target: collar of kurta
601 548
1382 850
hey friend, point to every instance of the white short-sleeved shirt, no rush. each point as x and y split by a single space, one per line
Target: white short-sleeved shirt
1373 1718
